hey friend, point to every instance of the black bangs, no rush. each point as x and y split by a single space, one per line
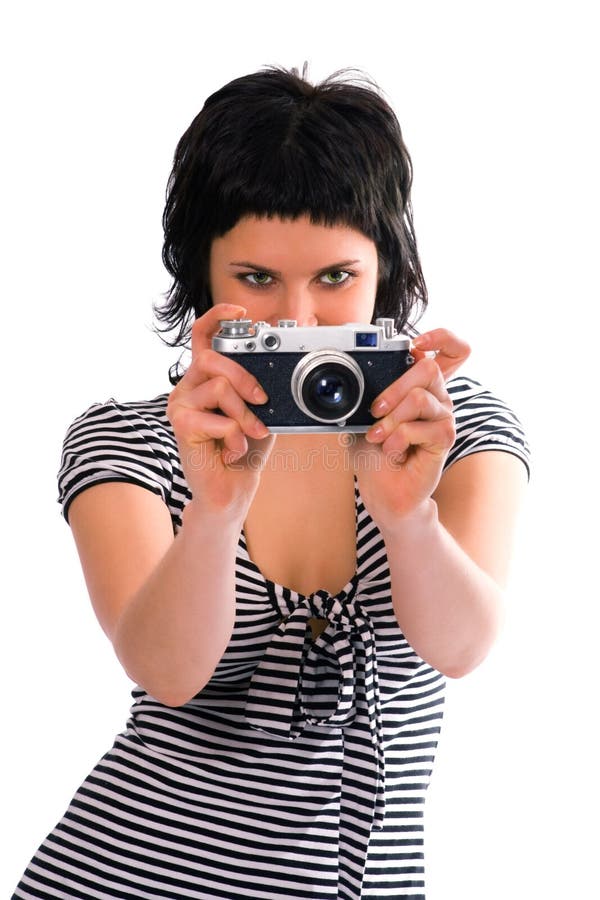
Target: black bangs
271 144
285 184
290 159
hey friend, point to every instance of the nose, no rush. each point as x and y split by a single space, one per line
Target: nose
297 303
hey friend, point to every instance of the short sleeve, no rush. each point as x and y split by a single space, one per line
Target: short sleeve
484 422
115 442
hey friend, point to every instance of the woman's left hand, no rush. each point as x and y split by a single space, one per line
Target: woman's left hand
401 458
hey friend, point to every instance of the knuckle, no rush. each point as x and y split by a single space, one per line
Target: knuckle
449 429
200 334
466 348
173 406
429 368
205 321
421 395
220 386
400 434
179 417
198 326
202 358
422 402
231 429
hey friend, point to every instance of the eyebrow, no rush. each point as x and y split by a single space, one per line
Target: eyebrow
334 267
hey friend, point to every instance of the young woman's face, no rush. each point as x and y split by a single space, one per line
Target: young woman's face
292 269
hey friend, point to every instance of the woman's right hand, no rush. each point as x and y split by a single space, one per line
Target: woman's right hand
214 448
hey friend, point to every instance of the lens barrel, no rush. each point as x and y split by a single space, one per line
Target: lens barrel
328 386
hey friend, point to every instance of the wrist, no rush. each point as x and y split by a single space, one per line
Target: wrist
420 521
225 523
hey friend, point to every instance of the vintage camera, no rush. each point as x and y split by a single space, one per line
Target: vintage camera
319 378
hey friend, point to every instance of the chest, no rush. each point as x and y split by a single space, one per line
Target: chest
301 529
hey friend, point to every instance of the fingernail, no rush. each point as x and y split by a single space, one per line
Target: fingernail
259 395
375 434
419 341
261 429
380 408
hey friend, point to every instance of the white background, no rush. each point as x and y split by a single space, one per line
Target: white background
498 103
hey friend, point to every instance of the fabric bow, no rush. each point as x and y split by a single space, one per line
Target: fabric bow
328 682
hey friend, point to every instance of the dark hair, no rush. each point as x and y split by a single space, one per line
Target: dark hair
271 144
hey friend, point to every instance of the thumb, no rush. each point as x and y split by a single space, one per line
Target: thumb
259 451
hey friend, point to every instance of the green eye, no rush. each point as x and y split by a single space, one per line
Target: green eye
336 277
259 278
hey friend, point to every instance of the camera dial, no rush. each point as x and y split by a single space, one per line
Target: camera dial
233 328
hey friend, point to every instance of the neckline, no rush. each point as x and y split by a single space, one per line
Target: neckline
282 591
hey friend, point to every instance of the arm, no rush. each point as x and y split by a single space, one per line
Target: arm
449 560
447 533
167 604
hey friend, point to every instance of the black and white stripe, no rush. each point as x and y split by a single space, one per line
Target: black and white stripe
264 785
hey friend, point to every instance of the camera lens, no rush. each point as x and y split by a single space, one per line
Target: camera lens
327 386
330 392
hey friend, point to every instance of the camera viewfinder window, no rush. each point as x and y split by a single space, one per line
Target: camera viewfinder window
366 338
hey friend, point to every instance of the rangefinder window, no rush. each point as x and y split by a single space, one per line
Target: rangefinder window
366 339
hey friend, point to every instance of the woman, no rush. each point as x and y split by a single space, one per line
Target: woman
287 605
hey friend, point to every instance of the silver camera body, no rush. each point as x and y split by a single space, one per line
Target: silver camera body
320 378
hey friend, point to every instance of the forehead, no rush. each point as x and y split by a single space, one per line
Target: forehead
257 238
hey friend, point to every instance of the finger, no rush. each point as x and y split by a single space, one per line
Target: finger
420 405
218 393
260 451
195 428
424 374
435 437
444 342
230 448
209 364
207 324
450 350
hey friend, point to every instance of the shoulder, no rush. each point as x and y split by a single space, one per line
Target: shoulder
484 421
138 426
123 441
112 414
481 490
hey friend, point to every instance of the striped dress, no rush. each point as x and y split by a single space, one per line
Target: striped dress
300 770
